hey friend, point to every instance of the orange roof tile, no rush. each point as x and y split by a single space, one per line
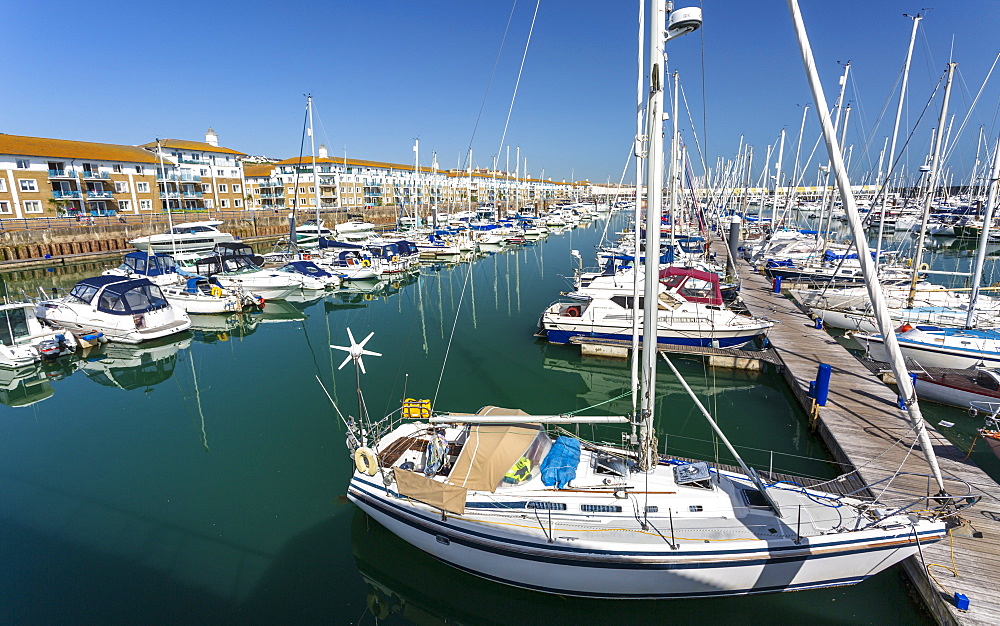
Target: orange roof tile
66 149
183 144
251 171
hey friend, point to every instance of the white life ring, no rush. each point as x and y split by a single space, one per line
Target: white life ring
366 461
923 267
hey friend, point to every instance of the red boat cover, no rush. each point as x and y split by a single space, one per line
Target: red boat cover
678 277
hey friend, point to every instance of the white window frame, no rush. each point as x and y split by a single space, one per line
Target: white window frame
145 205
116 168
236 188
125 205
138 169
223 203
223 188
3 184
209 203
237 203
141 186
27 184
206 188
23 164
121 186
5 207
33 206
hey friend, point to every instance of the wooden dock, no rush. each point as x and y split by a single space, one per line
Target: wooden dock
864 429
717 357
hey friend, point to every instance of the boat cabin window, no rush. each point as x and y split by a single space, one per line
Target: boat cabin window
83 292
696 288
986 381
530 463
13 325
136 300
625 302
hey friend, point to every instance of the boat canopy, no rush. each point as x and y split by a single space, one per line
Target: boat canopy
330 243
120 296
489 453
830 255
694 285
149 264
305 267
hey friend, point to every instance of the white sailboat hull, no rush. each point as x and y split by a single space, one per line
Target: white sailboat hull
570 568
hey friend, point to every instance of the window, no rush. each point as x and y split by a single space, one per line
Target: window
223 188
23 164
209 204
138 169
28 184
236 188
121 186
237 203
32 206
223 204
302 190
124 205
312 190
3 184
203 172
116 168
145 205
142 187
220 172
4 206
256 190
206 188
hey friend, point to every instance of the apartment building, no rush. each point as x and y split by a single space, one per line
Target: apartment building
197 175
42 177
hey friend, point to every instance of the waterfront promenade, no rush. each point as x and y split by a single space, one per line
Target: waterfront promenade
864 429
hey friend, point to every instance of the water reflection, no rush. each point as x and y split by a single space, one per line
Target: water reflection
129 367
24 386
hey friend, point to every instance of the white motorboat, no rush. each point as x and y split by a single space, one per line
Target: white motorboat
127 310
25 340
186 237
354 230
239 271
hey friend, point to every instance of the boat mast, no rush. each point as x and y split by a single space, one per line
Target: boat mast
312 149
931 186
977 273
640 154
872 282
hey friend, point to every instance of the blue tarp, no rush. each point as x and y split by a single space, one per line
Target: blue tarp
559 465
830 255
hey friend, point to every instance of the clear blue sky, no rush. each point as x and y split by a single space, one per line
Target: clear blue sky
383 73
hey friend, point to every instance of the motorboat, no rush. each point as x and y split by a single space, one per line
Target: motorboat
24 339
354 230
307 233
310 275
127 310
186 237
240 271
690 312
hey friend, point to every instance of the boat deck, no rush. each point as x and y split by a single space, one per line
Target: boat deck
864 429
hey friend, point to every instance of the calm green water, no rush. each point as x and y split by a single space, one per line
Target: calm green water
202 480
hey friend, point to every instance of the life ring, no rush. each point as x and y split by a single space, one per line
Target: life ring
306 257
394 258
217 291
923 267
368 297
366 461
366 263
573 311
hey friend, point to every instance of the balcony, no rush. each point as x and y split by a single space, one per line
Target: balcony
193 162
272 195
169 194
98 193
66 195
193 194
61 174
96 174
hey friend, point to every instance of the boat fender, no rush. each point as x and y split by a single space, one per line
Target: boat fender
904 328
366 461
306 257
366 263
573 311
217 292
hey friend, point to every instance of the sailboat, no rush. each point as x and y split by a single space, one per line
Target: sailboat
496 494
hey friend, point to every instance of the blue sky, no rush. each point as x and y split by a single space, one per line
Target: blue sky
383 73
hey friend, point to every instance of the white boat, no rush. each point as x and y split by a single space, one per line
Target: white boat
932 346
496 495
127 310
25 340
238 271
186 237
308 233
690 312
354 230
959 388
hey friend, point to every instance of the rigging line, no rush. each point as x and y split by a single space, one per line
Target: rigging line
451 337
496 62
298 167
972 107
704 106
503 137
694 133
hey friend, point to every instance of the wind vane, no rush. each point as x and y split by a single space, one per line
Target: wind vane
356 351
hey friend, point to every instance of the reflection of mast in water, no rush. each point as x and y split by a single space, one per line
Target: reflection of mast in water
423 320
517 277
496 282
197 399
507 277
472 286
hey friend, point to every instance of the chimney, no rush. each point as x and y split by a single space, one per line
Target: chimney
323 152
211 138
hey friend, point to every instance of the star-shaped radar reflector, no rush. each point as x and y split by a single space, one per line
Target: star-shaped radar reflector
356 351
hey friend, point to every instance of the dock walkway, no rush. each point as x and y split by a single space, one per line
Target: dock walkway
864 429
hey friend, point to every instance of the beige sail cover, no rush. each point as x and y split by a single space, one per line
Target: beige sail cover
490 452
437 494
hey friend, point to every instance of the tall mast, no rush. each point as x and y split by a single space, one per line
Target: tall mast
932 180
977 273
872 282
315 171
639 154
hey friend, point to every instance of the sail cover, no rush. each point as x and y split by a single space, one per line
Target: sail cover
429 491
489 453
